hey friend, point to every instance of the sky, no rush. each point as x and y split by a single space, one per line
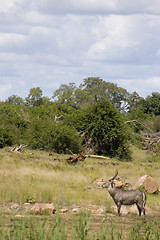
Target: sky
46 43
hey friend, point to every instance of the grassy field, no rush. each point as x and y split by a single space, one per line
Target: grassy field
36 176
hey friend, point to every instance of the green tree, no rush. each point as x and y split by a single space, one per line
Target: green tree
95 87
14 99
151 105
98 90
82 98
6 139
34 98
103 130
134 101
58 137
92 90
65 93
13 122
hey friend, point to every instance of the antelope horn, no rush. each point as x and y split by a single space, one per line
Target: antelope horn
112 178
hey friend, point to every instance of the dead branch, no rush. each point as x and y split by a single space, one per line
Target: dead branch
56 118
97 156
75 158
18 149
70 151
138 122
89 156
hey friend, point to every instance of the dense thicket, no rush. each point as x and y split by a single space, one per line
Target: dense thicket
102 128
86 118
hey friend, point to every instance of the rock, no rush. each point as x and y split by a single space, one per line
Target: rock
119 184
63 210
75 210
75 206
124 210
96 209
127 209
97 183
49 207
100 181
18 216
150 185
37 208
27 206
43 208
15 206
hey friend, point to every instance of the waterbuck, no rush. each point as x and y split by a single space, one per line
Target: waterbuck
125 197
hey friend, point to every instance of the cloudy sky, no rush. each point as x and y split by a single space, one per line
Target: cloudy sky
45 43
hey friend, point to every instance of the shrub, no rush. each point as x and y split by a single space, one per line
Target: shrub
6 138
54 137
103 130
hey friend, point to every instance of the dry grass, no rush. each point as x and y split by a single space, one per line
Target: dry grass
36 176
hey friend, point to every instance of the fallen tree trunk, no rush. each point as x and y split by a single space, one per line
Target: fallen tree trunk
97 156
90 156
76 158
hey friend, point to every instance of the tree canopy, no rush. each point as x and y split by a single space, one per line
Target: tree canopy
102 128
87 118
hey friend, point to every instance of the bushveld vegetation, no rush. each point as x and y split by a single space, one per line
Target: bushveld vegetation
88 118
95 118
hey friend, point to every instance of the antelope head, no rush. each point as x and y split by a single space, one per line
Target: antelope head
110 181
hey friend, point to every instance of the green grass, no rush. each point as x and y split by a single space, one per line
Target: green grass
34 176
79 228
38 176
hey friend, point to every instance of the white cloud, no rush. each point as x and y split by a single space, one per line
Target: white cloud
100 6
49 42
70 6
154 83
158 53
33 18
11 41
126 39
138 6
114 40
10 6
4 90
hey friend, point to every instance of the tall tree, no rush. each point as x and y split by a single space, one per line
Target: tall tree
134 101
151 105
35 97
98 89
64 94
95 87
14 99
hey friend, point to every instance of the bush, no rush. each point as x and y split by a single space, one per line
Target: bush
54 137
103 130
5 138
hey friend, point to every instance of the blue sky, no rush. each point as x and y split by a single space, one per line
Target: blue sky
46 43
